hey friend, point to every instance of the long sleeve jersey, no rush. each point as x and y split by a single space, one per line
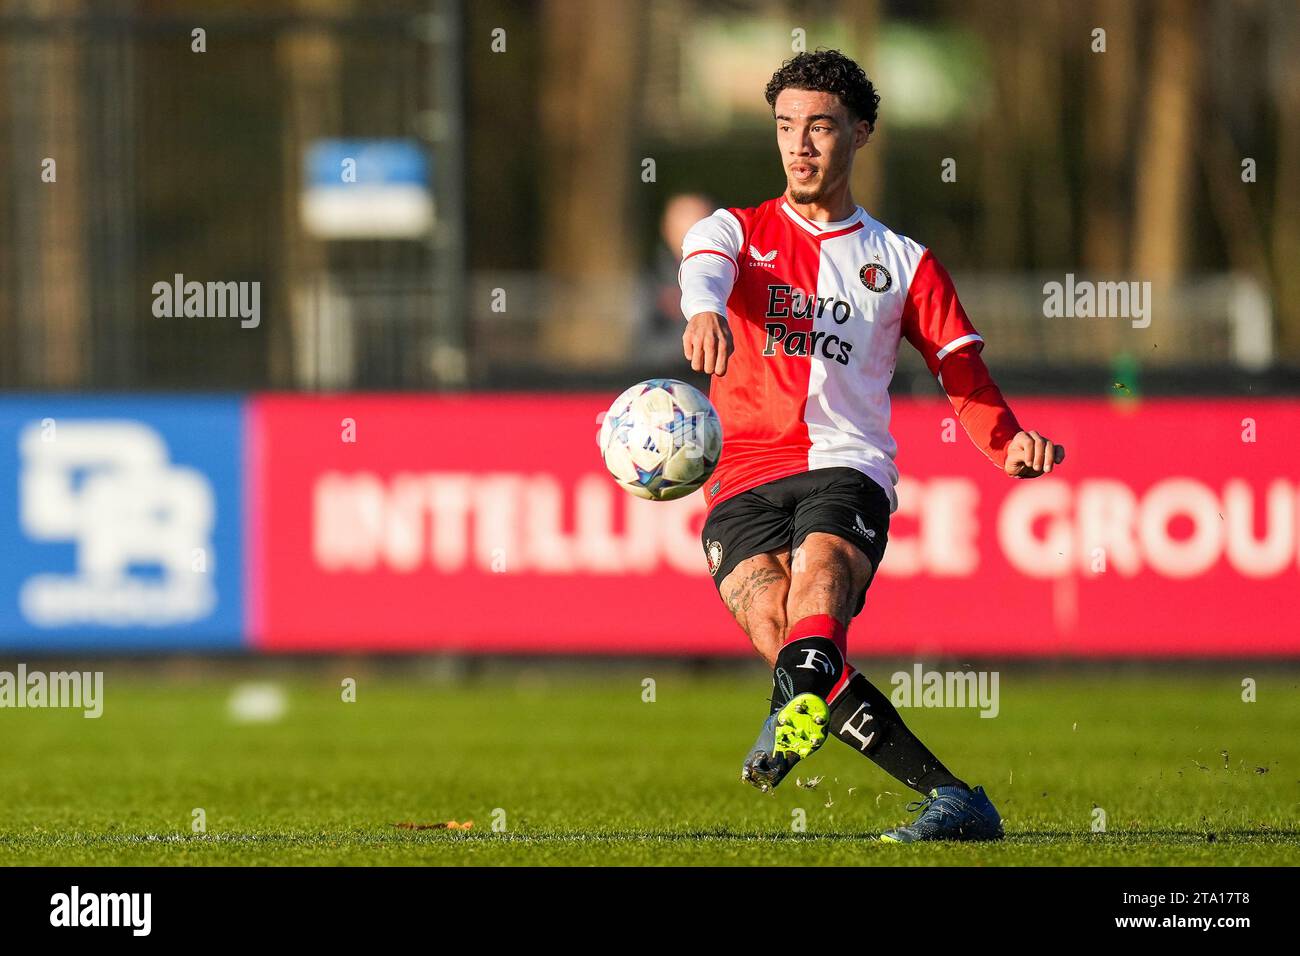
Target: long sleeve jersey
817 312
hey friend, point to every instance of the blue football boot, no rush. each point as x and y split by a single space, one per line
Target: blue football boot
950 813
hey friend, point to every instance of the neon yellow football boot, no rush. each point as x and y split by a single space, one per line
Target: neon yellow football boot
788 735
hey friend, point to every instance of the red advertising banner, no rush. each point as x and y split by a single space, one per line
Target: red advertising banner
488 523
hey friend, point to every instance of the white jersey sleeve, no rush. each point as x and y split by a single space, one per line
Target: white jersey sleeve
710 263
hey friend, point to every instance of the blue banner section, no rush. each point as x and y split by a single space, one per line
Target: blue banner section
122 522
378 162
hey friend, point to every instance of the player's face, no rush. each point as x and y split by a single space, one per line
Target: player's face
817 137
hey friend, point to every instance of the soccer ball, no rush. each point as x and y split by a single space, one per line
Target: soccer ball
661 439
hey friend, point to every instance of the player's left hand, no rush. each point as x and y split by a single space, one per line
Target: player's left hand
1030 455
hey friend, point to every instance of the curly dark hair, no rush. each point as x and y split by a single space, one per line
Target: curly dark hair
827 71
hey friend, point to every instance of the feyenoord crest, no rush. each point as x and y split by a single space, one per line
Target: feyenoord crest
876 277
714 550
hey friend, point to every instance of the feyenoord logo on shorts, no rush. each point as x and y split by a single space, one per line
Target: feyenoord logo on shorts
714 551
876 277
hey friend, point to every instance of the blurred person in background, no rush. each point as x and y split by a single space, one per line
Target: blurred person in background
660 331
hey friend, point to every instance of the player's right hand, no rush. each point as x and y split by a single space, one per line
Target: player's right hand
707 343
1030 455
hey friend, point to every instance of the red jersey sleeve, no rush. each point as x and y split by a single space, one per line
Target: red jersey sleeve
933 319
938 327
979 404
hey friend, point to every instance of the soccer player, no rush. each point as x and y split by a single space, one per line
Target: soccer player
796 308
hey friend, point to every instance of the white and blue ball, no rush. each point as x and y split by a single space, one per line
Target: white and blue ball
661 439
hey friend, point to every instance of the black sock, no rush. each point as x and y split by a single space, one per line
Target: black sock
864 719
808 665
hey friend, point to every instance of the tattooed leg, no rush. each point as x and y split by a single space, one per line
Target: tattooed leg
755 593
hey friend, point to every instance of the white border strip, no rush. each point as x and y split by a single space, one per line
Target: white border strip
957 343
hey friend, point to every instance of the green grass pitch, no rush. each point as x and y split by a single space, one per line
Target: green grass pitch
583 771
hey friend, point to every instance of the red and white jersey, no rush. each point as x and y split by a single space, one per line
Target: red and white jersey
817 311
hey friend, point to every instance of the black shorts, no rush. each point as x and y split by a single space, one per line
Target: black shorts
781 513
